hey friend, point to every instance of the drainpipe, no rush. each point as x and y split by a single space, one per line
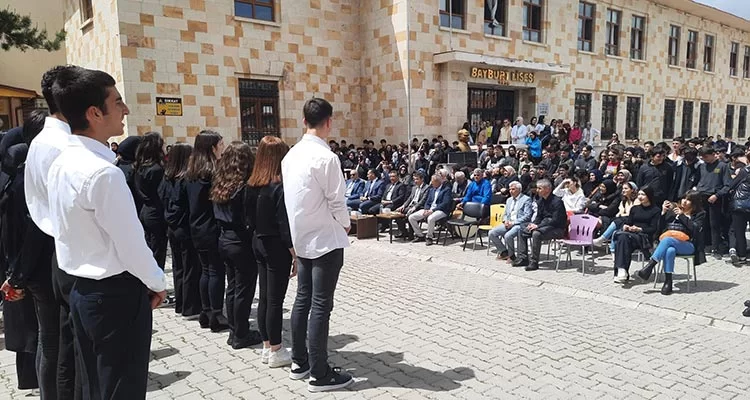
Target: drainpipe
408 86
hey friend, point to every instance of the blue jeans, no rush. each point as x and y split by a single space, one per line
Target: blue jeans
607 234
668 249
502 238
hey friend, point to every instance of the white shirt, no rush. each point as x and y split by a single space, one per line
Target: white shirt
575 202
314 198
96 228
44 149
519 134
589 135
389 194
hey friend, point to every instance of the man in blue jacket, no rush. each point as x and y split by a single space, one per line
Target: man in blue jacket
479 190
355 187
437 205
374 189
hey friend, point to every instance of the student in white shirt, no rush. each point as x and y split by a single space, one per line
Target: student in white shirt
118 282
519 132
319 223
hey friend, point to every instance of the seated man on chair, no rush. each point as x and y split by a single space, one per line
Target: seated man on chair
550 223
393 197
479 190
374 189
437 205
518 211
413 204
355 187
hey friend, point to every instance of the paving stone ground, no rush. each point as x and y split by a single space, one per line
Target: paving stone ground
414 322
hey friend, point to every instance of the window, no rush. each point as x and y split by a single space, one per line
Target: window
733 59
586 13
532 20
636 37
609 116
708 54
674 45
259 110
746 63
692 49
452 13
633 118
742 125
670 108
87 10
495 19
255 9
729 125
613 33
583 108
703 121
687 119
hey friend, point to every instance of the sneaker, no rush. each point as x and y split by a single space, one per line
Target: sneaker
733 255
716 255
418 239
279 358
264 355
622 276
430 242
335 379
599 242
299 372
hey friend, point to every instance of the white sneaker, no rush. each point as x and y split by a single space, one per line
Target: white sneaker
279 358
622 275
599 242
264 355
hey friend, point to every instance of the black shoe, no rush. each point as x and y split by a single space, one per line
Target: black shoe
418 239
230 339
645 272
520 262
253 338
747 303
532 267
667 288
400 235
383 229
335 379
298 372
746 312
716 255
429 242
219 322
204 320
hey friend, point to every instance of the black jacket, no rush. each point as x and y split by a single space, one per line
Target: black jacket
646 218
694 225
147 181
686 177
659 177
231 216
203 227
266 211
398 196
551 213
176 209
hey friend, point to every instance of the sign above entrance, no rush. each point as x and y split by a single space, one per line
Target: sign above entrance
503 77
170 106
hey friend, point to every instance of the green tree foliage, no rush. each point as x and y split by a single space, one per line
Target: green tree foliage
16 31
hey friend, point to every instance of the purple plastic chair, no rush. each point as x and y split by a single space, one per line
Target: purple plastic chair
580 233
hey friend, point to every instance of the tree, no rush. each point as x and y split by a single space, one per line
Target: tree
16 32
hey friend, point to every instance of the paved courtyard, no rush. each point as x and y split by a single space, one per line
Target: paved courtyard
416 322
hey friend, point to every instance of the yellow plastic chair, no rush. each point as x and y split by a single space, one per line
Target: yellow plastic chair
496 218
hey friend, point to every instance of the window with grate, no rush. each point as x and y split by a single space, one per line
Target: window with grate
633 118
670 108
586 15
746 63
494 24
692 49
612 47
729 125
705 114
733 56
609 116
687 119
532 20
452 13
636 37
582 112
742 124
674 45
708 54
255 9
259 110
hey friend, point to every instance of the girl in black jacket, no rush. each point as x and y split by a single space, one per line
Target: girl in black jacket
637 233
235 240
204 231
148 176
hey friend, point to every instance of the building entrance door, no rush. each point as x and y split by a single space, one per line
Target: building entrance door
490 105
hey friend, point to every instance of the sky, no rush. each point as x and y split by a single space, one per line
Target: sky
736 7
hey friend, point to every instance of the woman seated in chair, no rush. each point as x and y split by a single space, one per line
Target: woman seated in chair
637 233
627 201
501 183
683 236
572 196
604 203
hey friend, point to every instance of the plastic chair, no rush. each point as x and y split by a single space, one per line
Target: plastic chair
496 218
478 211
580 233
688 260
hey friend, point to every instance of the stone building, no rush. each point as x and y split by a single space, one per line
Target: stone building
395 69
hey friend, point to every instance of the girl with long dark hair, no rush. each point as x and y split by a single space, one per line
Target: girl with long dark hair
186 270
273 246
204 230
228 194
149 174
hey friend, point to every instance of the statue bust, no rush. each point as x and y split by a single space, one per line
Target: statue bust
463 141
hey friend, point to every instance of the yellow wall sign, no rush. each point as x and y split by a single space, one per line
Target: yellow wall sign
502 76
169 106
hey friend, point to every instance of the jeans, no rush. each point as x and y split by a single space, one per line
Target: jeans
112 322
503 237
274 267
156 239
737 239
212 280
48 317
668 249
537 236
432 219
316 283
242 275
609 233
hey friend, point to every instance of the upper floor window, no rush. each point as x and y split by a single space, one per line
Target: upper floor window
532 20
495 17
586 13
692 49
674 45
746 63
612 47
87 10
636 37
452 13
733 55
255 9
708 54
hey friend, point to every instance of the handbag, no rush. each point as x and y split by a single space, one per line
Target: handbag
677 231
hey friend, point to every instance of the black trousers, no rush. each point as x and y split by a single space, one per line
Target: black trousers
626 244
737 239
112 322
190 294
714 233
212 280
69 385
274 267
156 239
178 270
48 317
242 276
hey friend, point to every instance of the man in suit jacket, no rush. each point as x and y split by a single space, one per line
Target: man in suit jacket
518 210
374 189
550 223
413 204
394 195
355 187
437 205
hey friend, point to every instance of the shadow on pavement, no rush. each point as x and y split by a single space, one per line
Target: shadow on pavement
387 369
703 286
163 353
166 379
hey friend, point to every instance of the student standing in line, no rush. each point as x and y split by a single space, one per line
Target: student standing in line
117 280
235 240
147 178
273 246
204 230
